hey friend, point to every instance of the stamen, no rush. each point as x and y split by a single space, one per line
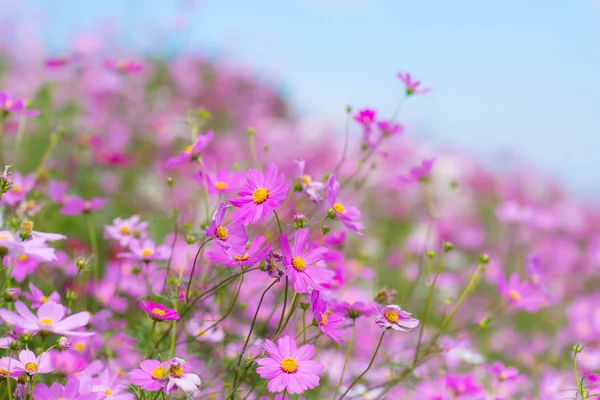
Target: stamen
158 311
298 263
221 233
159 373
339 207
31 367
391 316
289 365
176 371
260 195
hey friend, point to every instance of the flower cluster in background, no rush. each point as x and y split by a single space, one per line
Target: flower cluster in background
169 230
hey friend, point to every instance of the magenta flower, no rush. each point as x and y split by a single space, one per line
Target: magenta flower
20 187
158 312
346 214
260 195
299 263
15 106
29 364
151 376
224 181
419 173
354 310
412 87
124 66
501 372
365 117
180 378
394 317
462 385
289 368
191 153
34 249
520 295
57 191
533 269
111 384
73 390
50 318
329 323
389 128
126 230
240 255
306 183
227 236
38 298
75 205
146 251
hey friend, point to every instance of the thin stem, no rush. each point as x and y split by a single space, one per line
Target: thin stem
368 367
187 292
149 351
94 244
173 337
580 389
278 222
348 351
285 296
176 228
303 332
72 291
287 320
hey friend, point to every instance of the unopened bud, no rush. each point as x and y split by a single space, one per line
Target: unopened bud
348 109
12 294
251 131
576 348
385 296
484 258
300 220
431 254
80 263
448 247
170 181
325 229
64 343
190 239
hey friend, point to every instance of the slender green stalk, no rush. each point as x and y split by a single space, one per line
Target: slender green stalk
580 388
348 351
303 331
278 222
149 351
187 292
368 367
173 337
176 230
94 244
289 316
285 296
72 291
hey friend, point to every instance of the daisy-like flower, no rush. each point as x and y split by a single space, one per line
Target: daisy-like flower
126 230
289 368
37 297
462 385
260 195
73 390
306 183
501 372
191 153
299 263
199 329
329 323
158 312
233 234
15 106
394 317
389 129
7 367
180 378
412 87
75 205
520 295
534 271
354 310
29 364
124 66
111 385
239 256
50 318
146 251
223 181
151 376
419 173
365 117
346 214
21 185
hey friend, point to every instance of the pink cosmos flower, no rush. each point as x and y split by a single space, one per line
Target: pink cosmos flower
223 181
7 367
180 378
329 323
260 195
533 269
126 230
199 329
20 187
15 106
191 153
240 255
151 376
389 128
29 364
111 385
354 310
520 295
38 298
233 234
73 390
36 249
365 117
158 312
50 318
299 263
462 385
346 214
146 251
307 184
124 66
412 87
501 372
394 317
57 191
75 205
419 173
289 368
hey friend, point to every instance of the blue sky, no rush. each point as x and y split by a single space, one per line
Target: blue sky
508 76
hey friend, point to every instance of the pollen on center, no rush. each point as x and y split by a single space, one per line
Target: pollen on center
125 230
221 185
289 365
221 233
159 373
31 367
241 258
324 319
158 311
23 258
391 316
46 321
298 263
260 195
339 207
176 371
513 294
147 252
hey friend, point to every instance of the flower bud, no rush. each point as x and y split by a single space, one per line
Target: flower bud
251 131
64 343
80 263
300 220
6 180
431 254
484 258
12 294
25 228
325 229
385 296
448 247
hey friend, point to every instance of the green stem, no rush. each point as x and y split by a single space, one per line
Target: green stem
175 225
173 337
285 296
278 222
72 291
287 320
149 351
94 244
187 292
368 367
348 351
303 332
580 389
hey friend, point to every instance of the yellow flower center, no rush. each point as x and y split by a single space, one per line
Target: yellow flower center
391 316
298 263
339 207
221 233
158 311
260 195
23 258
45 321
535 278
61 398
514 295
189 149
31 367
306 180
125 230
107 391
324 319
8 103
503 376
221 185
3 372
289 365
242 258
44 300
79 347
159 373
176 370
147 252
